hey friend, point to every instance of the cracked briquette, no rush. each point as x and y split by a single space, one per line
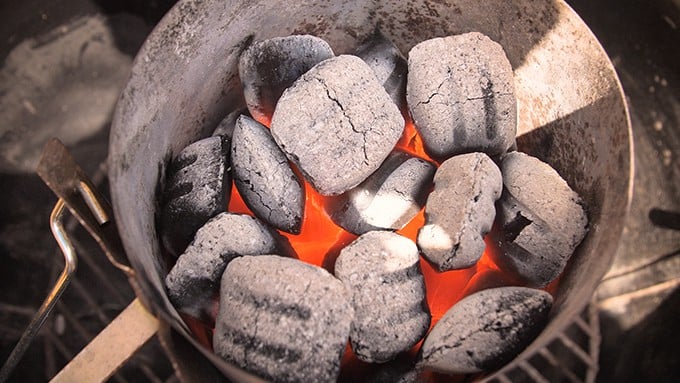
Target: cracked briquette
485 330
541 220
344 114
337 124
382 270
460 211
388 64
282 319
197 188
194 280
460 92
268 67
388 199
264 178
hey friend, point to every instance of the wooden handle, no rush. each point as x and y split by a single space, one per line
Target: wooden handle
109 350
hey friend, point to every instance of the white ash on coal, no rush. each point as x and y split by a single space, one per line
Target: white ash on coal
541 220
226 127
282 319
460 211
268 67
337 128
389 65
337 124
461 95
382 271
388 199
485 330
195 278
264 178
197 188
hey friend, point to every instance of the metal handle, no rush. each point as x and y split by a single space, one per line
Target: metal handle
117 343
59 171
70 265
112 347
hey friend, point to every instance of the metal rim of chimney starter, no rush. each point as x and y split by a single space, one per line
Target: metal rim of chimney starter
571 106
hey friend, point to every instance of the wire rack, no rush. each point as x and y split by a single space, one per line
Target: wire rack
572 357
95 296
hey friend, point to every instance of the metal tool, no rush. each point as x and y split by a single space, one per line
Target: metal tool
76 193
70 265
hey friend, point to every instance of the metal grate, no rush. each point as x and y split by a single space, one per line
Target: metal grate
571 357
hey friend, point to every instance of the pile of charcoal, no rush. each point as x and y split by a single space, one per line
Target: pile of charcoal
334 122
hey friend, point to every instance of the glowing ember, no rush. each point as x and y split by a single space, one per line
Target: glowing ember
319 237
321 240
313 134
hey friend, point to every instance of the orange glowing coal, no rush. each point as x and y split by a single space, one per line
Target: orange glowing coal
320 241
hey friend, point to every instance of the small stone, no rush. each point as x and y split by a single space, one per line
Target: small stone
382 270
460 211
194 280
388 64
461 95
541 220
268 67
388 199
485 330
198 187
282 319
337 124
264 178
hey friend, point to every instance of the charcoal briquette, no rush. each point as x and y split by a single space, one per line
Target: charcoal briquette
460 211
197 188
337 124
282 319
460 92
400 370
387 199
388 64
195 278
541 220
485 330
268 67
264 178
382 270
226 127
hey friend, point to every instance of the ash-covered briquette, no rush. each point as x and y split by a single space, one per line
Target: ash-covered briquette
197 188
541 220
485 330
268 67
264 178
382 270
226 127
282 319
388 199
337 124
460 211
461 95
388 64
195 278
400 370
